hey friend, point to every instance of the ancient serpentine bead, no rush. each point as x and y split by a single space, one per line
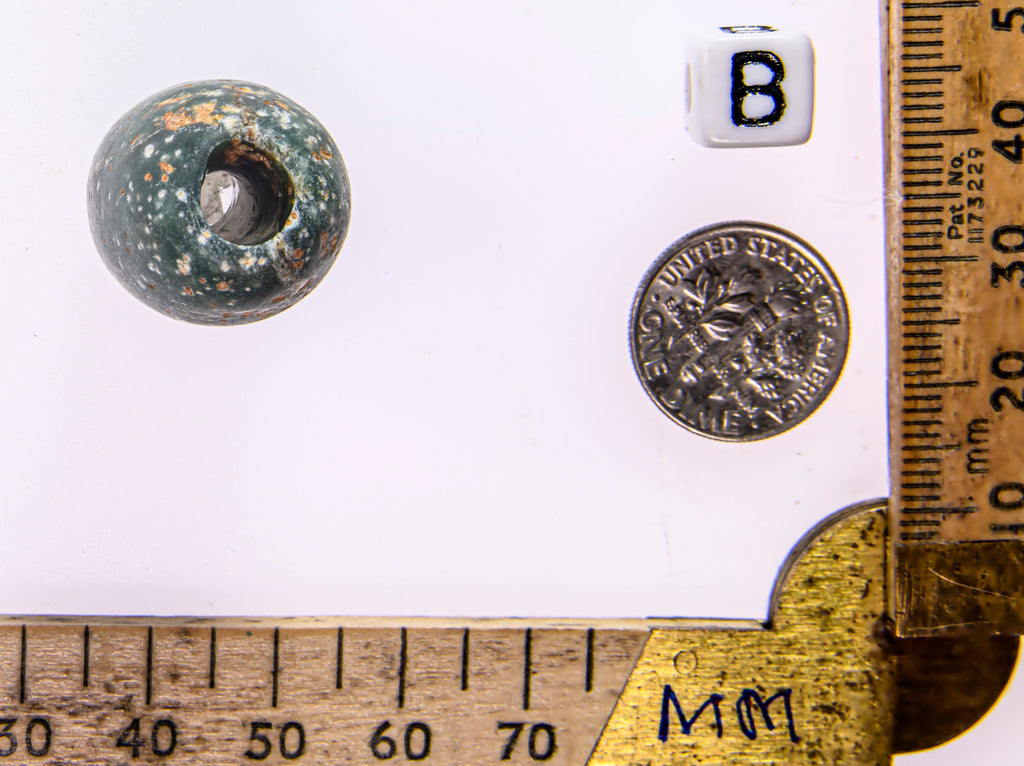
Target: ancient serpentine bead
218 202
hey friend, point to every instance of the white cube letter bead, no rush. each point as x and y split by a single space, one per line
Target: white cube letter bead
750 86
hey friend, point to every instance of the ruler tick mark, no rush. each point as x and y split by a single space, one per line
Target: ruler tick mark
935 68
276 668
213 658
465 660
933 195
944 132
23 663
942 4
403 659
589 683
339 660
527 667
962 509
941 258
85 656
149 664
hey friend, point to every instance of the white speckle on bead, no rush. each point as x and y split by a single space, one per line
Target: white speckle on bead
161 194
177 152
185 264
180 194
169 138
148 151
204 236
153 267
225 266
247 262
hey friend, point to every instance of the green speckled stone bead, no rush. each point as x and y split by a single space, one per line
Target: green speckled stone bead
218 202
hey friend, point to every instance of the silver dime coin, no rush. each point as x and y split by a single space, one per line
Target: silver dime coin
739 331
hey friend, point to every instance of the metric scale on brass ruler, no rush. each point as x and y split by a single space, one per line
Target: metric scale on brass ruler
829 678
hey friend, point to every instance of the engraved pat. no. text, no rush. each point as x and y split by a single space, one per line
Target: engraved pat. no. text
739 332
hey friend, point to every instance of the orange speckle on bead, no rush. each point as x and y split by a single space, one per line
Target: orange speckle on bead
163 178
166 167
152 286
188 290
201 113
222 285
122 192
202 280
278 299
148 177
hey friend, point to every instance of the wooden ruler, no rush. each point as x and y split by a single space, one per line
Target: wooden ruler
956 331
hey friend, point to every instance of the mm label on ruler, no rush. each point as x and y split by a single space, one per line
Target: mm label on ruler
956 331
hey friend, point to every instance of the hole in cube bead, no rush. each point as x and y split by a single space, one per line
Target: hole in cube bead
246 195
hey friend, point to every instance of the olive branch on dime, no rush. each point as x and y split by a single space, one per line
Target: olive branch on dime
721 306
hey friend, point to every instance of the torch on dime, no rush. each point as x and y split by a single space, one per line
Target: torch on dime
739 331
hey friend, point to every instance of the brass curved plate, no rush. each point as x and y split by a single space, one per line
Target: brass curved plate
945 685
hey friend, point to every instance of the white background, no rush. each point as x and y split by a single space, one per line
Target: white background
450 424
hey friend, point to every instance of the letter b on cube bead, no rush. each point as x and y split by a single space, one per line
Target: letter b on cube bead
750 86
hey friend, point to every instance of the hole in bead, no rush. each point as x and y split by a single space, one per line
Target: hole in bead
246 194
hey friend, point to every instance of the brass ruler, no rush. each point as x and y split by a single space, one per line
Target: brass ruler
955 218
